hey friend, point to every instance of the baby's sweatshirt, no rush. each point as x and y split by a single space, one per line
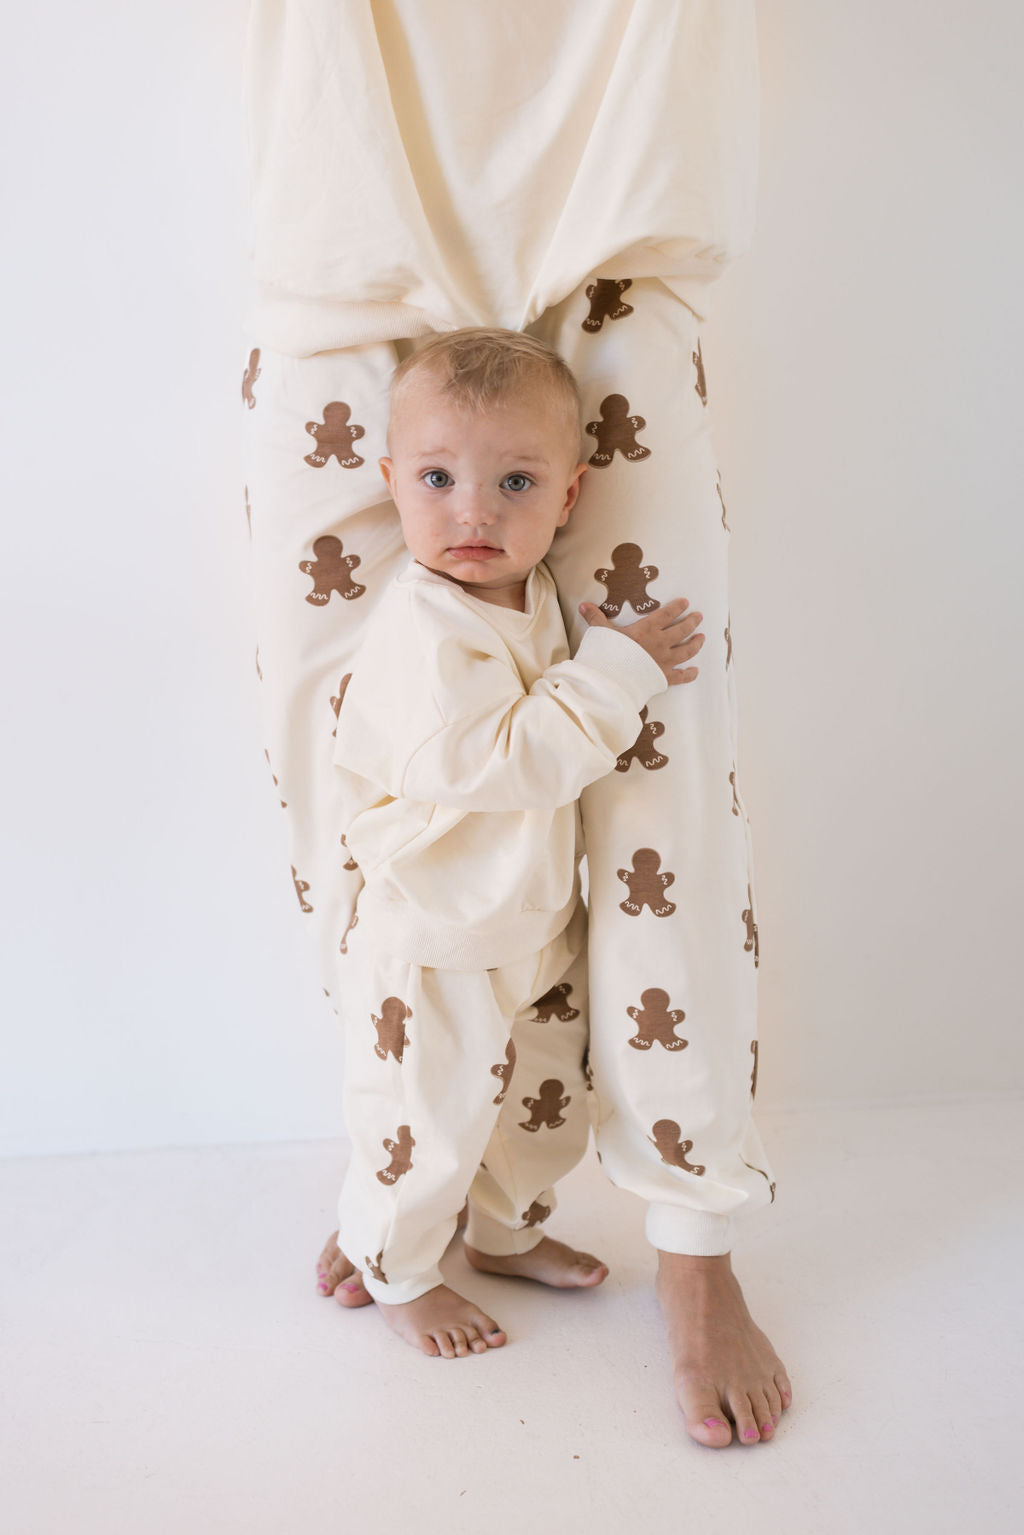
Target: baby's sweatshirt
465 736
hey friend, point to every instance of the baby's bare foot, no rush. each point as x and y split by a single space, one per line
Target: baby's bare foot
338 1277
550 1263
725 1368
444 1324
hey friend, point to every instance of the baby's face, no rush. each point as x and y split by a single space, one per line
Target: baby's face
481 494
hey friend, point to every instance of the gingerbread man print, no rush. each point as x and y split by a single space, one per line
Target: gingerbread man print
701 384
400 1151
605 295
665 1135
655 1024
334 437
503 1071
301 886
390 1026
343 945
336 702
250 376
536 1214
751 941
647 885
373 1264
547 1109
555 1004
627 582
616 432
643 749
331 571
721 498
735 800
277 786
350 863
728 640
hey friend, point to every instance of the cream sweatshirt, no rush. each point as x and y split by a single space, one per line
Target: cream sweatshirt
421 165
465 737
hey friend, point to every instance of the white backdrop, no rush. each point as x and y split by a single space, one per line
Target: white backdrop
864 367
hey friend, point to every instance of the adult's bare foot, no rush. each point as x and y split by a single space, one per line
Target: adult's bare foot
724 1367
444 1324
550 1263
338 1277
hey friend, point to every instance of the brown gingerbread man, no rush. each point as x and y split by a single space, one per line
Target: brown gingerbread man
337 702
390 1028
735 799
665 1135
555 1004
547 1109
643 749
331 571
753 1074
350 863
250 376
627 582
701 384
536 1214
503 1071
751 941
654 1023
616 432
646 885
605 295
301 886
373 1264
343 945
764 1175
401 1155
334 437
277 786
728 640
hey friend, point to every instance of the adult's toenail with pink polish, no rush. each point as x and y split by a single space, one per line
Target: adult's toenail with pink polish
351 1288
751 1433
714 1422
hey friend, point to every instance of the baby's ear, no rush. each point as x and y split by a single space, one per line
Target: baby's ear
387 469
572 492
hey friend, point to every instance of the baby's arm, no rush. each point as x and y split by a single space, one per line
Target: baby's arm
503 749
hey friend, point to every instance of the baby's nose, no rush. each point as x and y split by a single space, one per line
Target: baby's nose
477 505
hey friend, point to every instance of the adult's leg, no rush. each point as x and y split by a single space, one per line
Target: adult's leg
325 542
673 936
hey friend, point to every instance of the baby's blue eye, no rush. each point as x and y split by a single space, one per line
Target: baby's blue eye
437 479
518 481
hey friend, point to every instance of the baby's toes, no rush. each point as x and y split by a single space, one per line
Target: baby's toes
784 1388
744 1417
762 1414
351 1291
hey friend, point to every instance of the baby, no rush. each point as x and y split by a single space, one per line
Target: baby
465 736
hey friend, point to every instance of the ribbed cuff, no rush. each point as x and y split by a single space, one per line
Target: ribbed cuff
696 1233
624 661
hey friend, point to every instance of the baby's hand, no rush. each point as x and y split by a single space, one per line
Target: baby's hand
664 634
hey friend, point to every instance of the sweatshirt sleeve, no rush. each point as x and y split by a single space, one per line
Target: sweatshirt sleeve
516 750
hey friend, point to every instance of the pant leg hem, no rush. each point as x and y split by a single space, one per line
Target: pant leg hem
406 1290
489 1236
695 1233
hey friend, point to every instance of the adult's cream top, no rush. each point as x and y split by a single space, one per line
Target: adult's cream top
465 737
421 165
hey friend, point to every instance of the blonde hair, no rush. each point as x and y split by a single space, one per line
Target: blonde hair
478 367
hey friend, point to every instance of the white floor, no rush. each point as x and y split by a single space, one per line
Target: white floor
168 1365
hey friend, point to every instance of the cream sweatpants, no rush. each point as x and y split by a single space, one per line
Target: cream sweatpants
456 1082
673 945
